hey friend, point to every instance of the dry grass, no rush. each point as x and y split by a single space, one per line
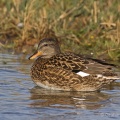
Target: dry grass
83 26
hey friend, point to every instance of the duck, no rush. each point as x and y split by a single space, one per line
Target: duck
55 70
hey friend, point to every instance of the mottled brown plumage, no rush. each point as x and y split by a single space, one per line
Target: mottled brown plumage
60 71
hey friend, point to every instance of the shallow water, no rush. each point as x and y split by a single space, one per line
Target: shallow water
20 99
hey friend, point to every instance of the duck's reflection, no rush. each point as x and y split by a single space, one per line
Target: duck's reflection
85 100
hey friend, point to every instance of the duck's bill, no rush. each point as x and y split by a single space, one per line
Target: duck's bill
35 55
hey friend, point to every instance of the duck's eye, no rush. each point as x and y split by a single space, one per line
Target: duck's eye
45 44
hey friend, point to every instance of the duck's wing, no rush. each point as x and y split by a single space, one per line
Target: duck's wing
78 63
69 61
101 62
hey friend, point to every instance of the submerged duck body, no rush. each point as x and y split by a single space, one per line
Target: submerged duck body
68 71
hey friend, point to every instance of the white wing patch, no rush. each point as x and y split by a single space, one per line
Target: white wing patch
83 74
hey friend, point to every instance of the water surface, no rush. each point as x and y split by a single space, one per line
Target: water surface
20 99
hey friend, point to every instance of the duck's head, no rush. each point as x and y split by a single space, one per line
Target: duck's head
47 48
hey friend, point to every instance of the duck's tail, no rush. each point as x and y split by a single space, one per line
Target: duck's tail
108 77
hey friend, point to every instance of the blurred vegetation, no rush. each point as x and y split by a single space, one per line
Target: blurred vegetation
82 26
